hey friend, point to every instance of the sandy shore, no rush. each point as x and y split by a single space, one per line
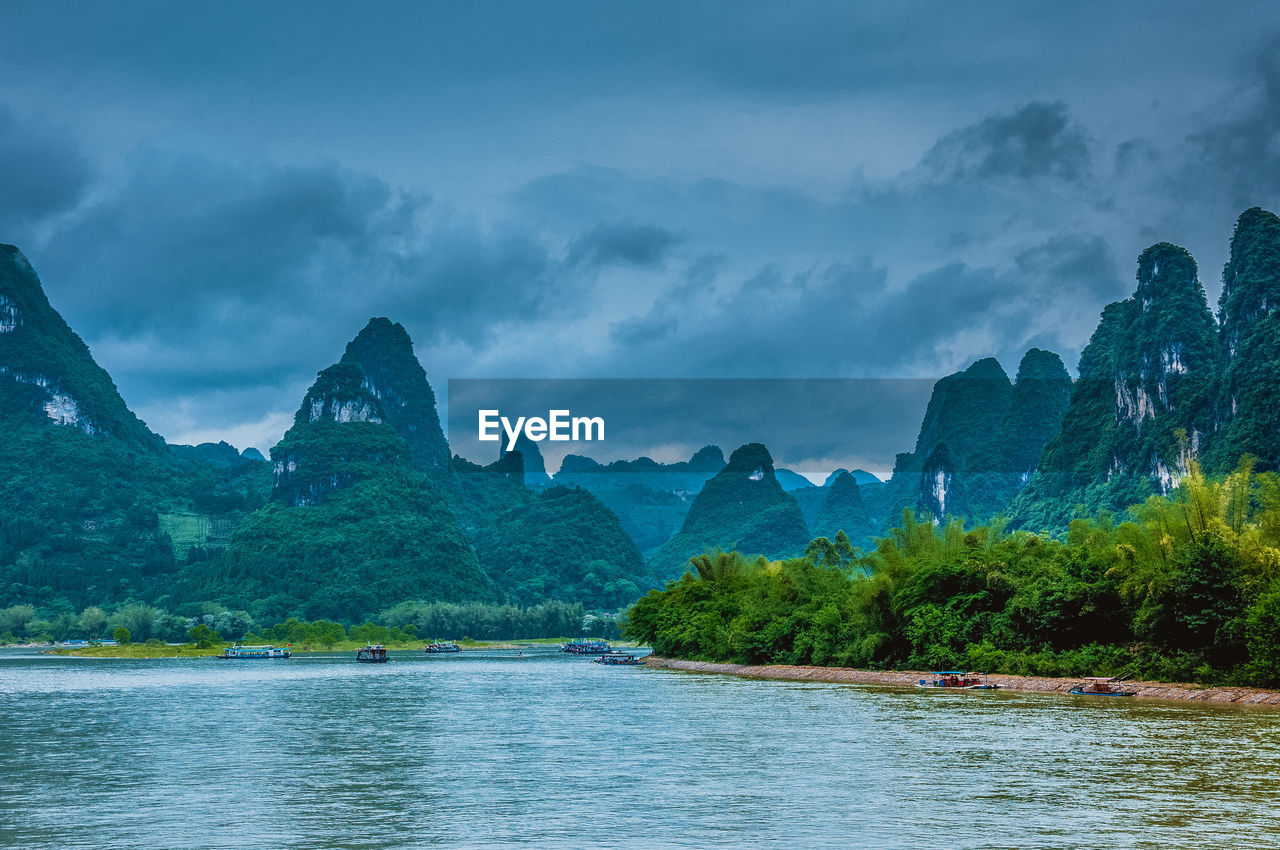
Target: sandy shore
908 678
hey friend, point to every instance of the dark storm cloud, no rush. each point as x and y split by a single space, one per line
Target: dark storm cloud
42 172
662 189
196 274
1241 150
186 240
644 246
844 320
1037 140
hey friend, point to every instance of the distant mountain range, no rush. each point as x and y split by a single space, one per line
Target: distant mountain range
361 505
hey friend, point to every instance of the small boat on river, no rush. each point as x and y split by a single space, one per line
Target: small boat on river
1101 686
255 652
957 679
618 658
586 646
441 646
374 653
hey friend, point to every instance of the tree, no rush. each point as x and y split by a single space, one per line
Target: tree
203 636
122 636
93 621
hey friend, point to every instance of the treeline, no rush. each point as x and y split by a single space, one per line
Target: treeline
1188 589
26 623
401 623
449 621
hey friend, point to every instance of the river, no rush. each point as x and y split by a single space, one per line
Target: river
490 749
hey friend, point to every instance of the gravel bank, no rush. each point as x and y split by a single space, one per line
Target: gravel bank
907 678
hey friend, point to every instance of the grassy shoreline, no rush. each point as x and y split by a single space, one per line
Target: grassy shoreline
191 651
908 678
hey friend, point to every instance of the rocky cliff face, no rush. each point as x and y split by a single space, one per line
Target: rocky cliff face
392 375
339 436
374 406
744 508
46 370
1143 404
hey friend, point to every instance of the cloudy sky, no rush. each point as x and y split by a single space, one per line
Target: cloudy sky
218 196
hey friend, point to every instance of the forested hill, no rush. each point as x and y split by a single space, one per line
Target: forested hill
361 506
980 440
93 506
46 369
363 515
1162 383
743 507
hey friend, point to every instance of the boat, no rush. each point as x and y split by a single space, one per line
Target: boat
374 653
236 652
957 679
442 646
619 658
586 646
1101 686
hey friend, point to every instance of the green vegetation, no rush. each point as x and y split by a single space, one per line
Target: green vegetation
1249 344
500 622
742 507
1189 590
1143 404
140 650
208 625
383 353
379 541
981 438
565 545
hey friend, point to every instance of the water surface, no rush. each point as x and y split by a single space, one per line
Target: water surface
490 749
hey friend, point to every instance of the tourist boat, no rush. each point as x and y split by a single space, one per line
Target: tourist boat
374 653
442 646
586 646
256 652
957 679
619 658
1101 686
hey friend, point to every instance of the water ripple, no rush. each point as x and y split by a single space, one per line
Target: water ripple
492 749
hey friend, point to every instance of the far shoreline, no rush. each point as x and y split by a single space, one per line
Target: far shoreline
1023 684
144 651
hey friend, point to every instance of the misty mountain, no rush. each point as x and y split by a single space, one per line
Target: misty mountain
742 508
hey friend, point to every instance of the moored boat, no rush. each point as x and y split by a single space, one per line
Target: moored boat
374 653
1101 686
255 652
619 658
957 679
441 646
586 646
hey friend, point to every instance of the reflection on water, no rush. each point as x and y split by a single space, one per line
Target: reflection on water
491 749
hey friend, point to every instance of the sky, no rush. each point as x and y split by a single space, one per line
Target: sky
218 196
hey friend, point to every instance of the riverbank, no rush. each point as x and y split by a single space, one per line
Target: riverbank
908 678
140 650
135 650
